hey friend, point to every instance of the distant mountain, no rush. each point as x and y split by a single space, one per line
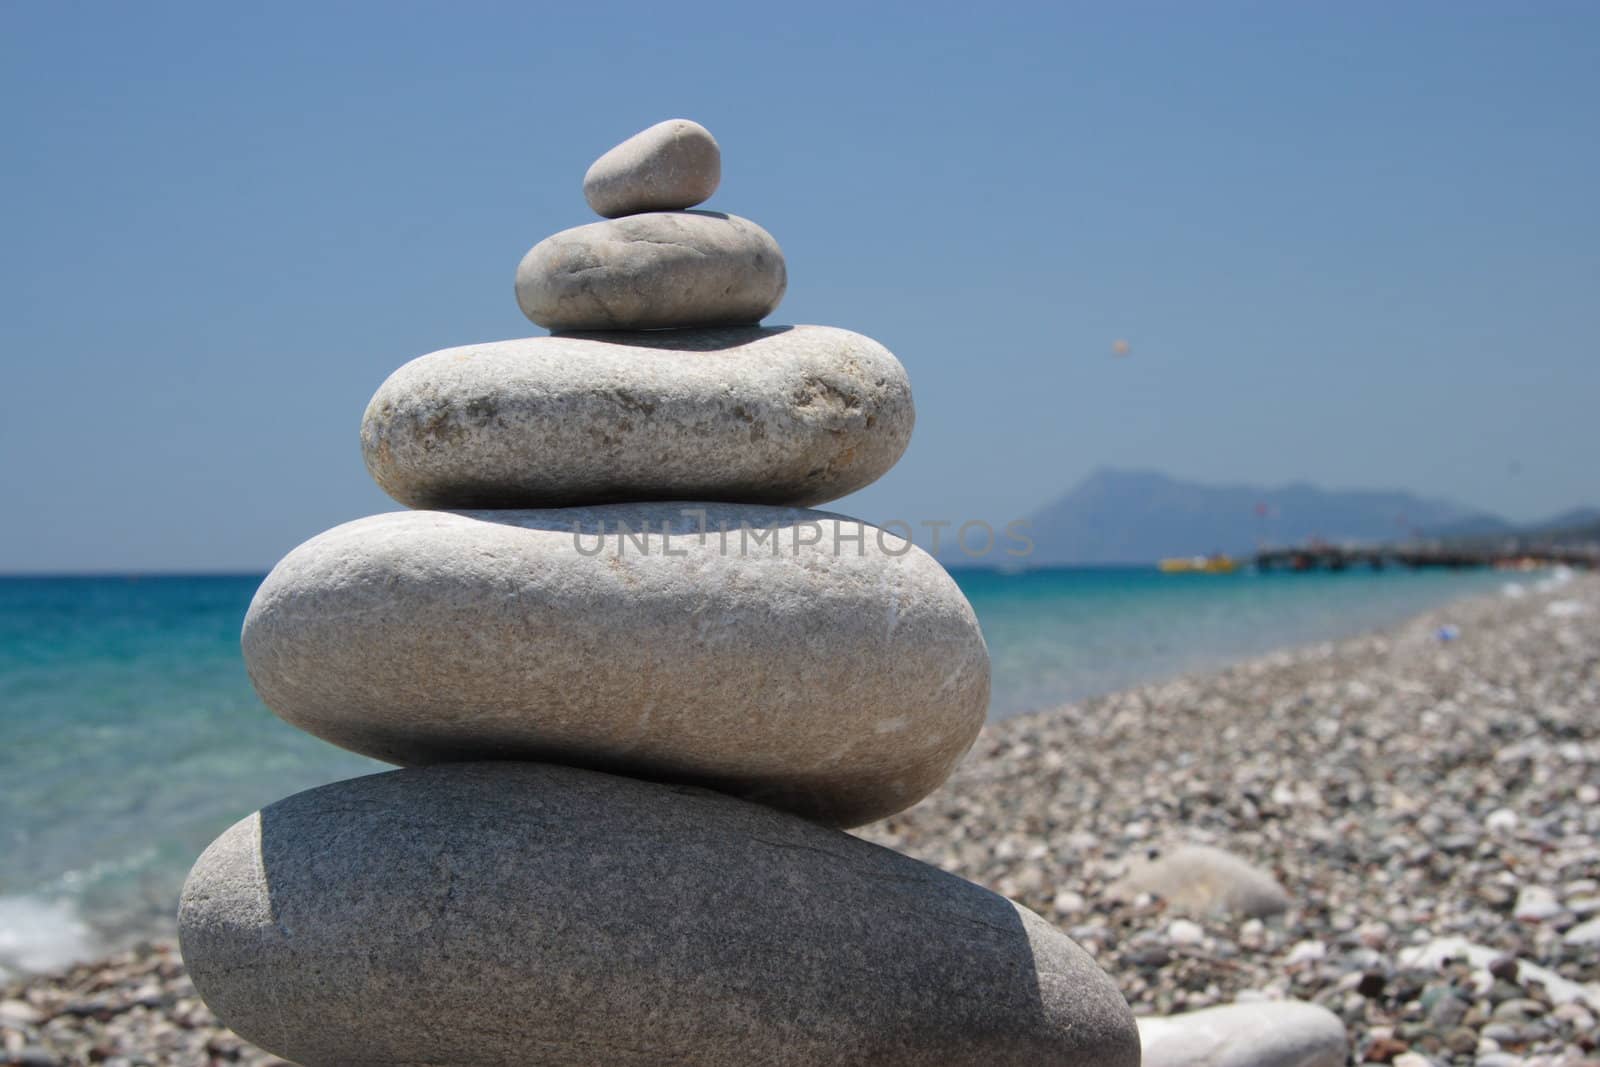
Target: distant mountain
1124 516
1576 519
1477 527
1579 523
1580 526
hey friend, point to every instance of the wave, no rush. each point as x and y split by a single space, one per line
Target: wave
38 935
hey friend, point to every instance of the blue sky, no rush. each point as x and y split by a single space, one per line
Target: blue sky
1352 243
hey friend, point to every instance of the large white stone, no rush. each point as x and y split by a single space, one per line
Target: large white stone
1287 1033
795 415
661 270
670 166
797 658
522 914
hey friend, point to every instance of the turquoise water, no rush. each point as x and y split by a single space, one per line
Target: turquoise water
1058 635
130 736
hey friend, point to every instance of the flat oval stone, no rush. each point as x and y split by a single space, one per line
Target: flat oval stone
1202 880
535 915
671 166
796 658
660 270
781 415
1288 1033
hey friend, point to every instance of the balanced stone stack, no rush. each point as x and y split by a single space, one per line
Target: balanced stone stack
638 690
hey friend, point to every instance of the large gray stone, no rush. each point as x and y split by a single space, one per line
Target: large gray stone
525 914
796 658
655 271
1201 880
787 415
1289 1033
671 166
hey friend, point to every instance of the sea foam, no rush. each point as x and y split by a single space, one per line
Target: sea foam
41 935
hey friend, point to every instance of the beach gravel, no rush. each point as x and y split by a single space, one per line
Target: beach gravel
1365 775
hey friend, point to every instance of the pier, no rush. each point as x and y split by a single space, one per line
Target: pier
1321 557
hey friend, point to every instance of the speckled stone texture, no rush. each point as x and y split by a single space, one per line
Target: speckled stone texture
800 659
1201 880
673 165
794 415
528 914
656 271
1259 1034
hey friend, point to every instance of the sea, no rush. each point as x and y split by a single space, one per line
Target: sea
130 735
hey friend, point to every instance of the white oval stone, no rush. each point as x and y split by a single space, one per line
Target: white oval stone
673 165
797 658
1289 1033
1201 880
788 415
516 913
662 270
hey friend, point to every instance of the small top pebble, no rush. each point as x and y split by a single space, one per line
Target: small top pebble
671 166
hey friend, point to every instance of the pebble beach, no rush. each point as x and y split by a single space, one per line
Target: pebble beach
1427 798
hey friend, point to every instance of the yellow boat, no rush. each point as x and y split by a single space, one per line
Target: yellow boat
1218 564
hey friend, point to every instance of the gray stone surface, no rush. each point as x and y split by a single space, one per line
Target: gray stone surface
508 913
1201 880
673 165
787 415
1287 1033
801 659
656 271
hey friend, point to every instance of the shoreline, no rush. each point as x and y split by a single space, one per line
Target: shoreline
1164 627
1401 788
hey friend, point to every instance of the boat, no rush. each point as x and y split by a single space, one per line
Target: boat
1216 564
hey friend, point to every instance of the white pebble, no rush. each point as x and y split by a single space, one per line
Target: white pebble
1411 1059
1584 934
1306 952
1069 903
1535 904
1501 821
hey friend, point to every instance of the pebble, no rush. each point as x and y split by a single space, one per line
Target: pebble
1306 952
1586 933
662 270
793 416
1501 821
1256 1034
539 913
1200 880
1412 1059
825 666
1536 904
670 166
